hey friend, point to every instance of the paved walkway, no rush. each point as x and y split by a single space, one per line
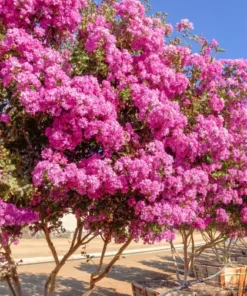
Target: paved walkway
31 248
28 248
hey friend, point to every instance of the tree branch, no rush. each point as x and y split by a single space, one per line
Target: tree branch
50 243
112 262
175 262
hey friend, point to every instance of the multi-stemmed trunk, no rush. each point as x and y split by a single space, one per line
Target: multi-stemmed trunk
78 241
190 256
98 274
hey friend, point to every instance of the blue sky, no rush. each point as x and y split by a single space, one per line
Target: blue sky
224 20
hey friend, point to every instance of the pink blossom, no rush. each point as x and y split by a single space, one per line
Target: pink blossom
217 103
214 43
183 25
244 215
10 215
221 216
5 118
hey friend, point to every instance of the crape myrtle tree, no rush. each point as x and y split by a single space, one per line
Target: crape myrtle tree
106 117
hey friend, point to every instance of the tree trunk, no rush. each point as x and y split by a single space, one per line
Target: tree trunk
51 281
10 286
14 278
173 251
49 284
91 288
94 279
186 261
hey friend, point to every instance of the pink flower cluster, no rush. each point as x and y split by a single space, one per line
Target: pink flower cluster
81 108
10 215
44 18
91 177
184 25
143 173
4 117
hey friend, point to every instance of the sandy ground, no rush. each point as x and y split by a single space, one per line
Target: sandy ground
74 277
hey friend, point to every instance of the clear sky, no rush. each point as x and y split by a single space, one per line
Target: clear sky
224 20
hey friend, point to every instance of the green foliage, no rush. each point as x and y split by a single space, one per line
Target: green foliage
13 187
89 63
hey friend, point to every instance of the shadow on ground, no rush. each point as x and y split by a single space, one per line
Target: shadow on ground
32 285
164 264
128 274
